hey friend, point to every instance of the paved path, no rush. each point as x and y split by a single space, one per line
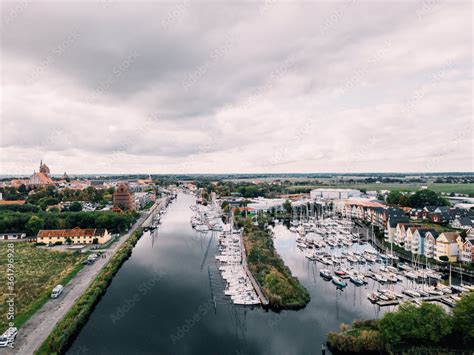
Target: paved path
35 331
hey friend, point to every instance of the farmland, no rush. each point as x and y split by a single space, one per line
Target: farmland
36 272
442 188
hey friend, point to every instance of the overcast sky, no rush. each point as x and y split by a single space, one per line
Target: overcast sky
202 87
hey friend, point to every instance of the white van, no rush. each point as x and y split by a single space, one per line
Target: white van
57 290
8 337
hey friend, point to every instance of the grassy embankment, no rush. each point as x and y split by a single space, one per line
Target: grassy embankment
36 272
65 331
282 290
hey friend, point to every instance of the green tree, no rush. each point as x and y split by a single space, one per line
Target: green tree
426 197
463 319
426 325
34 224
287 206
75 207
394 197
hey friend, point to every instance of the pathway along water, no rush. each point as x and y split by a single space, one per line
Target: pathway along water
160 302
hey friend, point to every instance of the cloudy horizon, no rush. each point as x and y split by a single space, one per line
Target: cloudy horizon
117 87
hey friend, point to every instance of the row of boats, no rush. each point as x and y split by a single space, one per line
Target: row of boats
338 247
205 219
238 285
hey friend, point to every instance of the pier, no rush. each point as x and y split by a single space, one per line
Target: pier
147 223
255 284
441 299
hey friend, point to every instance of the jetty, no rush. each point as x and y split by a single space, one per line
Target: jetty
442 299
255 284
154 211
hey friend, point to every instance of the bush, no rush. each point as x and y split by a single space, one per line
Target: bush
58 243
463 319
428 324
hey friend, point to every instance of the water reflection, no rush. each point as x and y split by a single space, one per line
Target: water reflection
184 311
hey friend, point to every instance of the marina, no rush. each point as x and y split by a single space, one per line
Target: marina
343 252
241 286
183 309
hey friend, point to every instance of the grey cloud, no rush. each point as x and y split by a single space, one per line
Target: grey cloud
238 79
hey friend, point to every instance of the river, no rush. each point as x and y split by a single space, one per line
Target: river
160 301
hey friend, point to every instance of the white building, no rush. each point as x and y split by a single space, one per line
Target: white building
334 194
266 204
12 236
142 198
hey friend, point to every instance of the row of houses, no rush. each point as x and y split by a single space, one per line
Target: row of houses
420 240
376 213
416 237
456 217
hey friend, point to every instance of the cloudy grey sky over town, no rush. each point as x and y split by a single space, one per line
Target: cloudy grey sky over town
273 86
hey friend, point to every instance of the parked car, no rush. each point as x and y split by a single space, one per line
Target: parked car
57 290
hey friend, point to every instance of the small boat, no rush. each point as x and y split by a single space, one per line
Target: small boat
357 280
340 272
423 293
339 282
380 278
411 275
411 293
435 292
325 274
458 289
468 287
373 297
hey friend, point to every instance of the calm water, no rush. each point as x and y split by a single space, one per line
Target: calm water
160 301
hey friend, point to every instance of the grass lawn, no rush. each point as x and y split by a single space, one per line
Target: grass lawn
36 272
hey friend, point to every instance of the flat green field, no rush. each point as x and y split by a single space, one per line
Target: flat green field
446 188
36 272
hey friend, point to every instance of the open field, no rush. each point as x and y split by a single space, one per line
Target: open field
445 188
36 272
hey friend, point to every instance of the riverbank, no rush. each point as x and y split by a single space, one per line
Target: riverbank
411 329
64 332
279 286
